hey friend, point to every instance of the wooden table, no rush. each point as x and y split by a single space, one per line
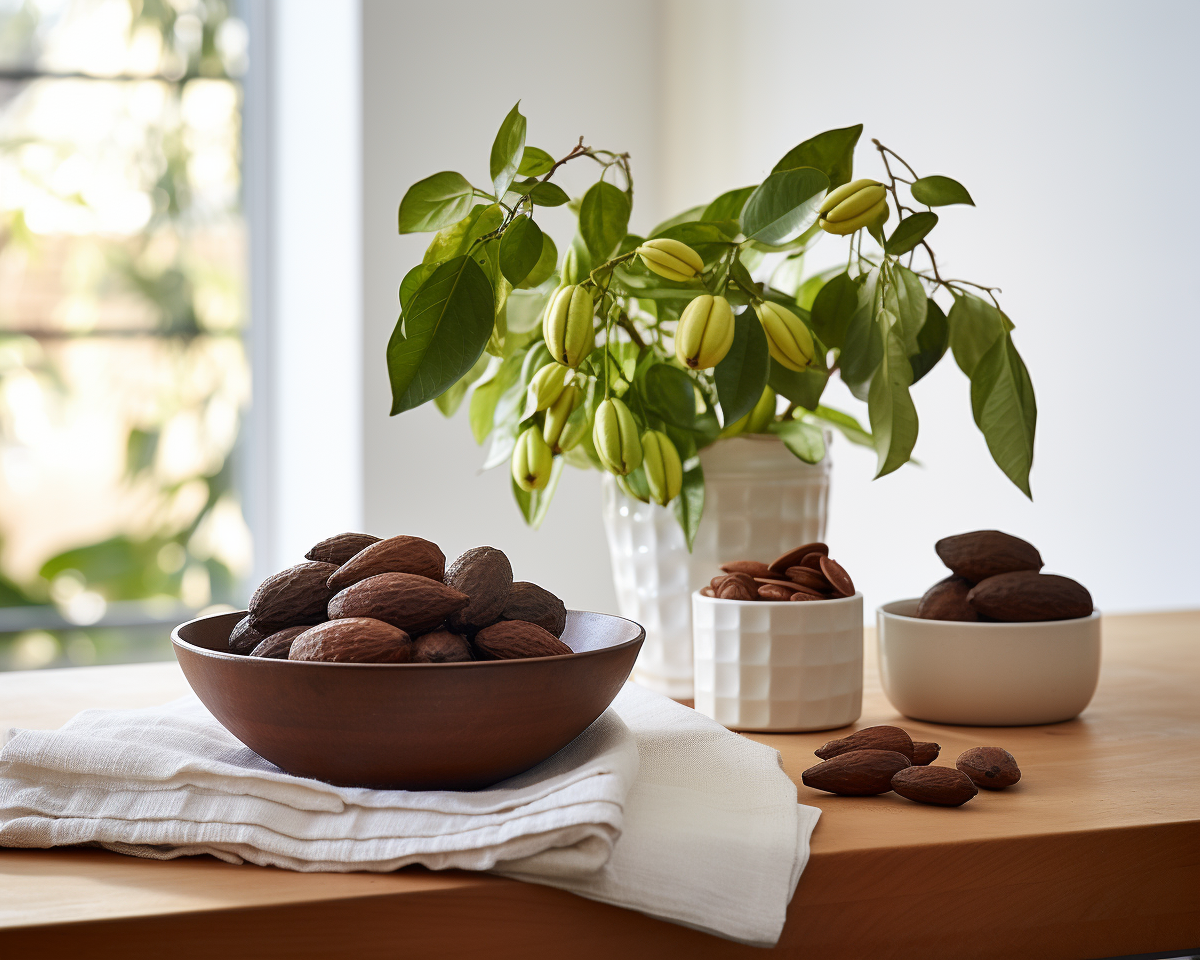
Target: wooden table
1096 853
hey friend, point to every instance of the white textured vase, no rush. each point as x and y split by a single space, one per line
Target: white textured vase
760 501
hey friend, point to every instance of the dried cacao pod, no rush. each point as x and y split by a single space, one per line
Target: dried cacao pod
279 644
534 604
859 773
441 646
947 600
291 597
941 786
245 637
394 555
1025 596
485 575
882 737
353 640
516 640
413 604
704 333
984 553
341 548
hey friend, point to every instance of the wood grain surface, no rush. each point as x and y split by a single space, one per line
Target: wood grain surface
1095 853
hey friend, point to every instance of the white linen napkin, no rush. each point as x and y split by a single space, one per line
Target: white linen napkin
711 834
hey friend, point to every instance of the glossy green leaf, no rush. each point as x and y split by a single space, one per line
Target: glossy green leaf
806 441
435 202
544 269
728 206
711 240
534 505
412 281
847 425
932 341
520 249
507 150
1005 410
689 505
784 205
482 409
862 346
694 213
889 404
833 308
445 329
905 297
804 387
535 163
909 232
548 195
740 274
603 218
456 239
452 399
741 376
669 394
975 325
831 152
940 191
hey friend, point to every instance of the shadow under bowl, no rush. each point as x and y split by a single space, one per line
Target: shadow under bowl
409 726
987 674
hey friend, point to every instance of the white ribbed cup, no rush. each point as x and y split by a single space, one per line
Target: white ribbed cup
760 501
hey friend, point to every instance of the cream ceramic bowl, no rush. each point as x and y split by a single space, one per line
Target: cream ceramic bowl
778 665
987 674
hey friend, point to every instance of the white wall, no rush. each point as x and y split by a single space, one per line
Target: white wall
1075 128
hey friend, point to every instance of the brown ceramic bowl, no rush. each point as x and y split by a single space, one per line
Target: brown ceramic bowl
410 726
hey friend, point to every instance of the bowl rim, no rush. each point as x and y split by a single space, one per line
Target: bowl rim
178 641
857 595
882 611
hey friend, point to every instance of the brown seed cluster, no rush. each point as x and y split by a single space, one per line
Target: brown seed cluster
805 573
877 759
360 599
996 577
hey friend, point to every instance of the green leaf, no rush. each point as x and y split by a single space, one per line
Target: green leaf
535 505
784 205
804 440
412 281
849 427
452 399
544 269
909 232
803 388
507 150
975 325
520 249
445 329
603 218
710 240
740 274
741 376
695 213
862 347
728 206
435 202
1005 410
931 341
535 162
549 195
940 192
905 297
831 152
689 505
456 239
833 309
670 395
889 404
482 410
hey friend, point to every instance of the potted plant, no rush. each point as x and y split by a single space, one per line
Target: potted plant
702 344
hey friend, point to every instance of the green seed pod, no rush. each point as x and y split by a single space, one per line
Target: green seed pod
664 471
705 332
733 429
547 385
572 269
763 413
671 259
616 438
788 339
573 433
853 206
557 414
567 325
532 461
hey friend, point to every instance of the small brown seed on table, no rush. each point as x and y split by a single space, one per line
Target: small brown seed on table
880 737
991 767
941 786
859 773
925 753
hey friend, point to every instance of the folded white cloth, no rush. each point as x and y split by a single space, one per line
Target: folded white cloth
710 832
